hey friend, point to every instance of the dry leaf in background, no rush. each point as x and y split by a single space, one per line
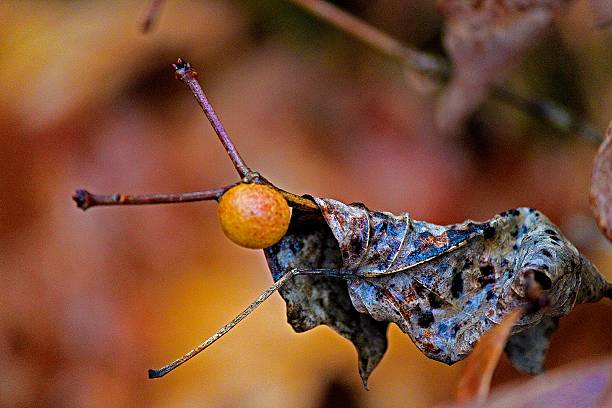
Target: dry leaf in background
485 40
601 186
584 385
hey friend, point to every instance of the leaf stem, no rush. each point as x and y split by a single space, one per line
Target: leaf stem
247 311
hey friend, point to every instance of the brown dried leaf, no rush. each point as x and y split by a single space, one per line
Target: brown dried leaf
315 300
584 385
601 186
527 349
476 379
444 286
485 40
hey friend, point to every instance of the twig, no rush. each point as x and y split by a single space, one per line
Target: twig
229 326
555 115
84 199
151 15
184 72
549 112
361 30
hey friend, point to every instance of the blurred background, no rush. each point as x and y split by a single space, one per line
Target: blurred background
90 301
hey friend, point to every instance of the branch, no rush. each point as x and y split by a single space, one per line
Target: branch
188 75
383 42
546 111
184 72
249 309
549 112
84 199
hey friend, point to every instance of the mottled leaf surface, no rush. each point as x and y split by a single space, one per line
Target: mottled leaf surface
475 381
316 300
444 286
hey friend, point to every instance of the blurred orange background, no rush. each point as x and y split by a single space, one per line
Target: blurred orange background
90 301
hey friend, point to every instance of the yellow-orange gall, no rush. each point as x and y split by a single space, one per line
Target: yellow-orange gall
253 215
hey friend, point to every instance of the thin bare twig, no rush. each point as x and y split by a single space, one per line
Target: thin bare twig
184 72
549 112
229 326
151 15
84 199
363 31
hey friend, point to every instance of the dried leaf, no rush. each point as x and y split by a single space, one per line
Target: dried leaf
315 300
485 40
527 349
601 186
475 381
445 286
585 385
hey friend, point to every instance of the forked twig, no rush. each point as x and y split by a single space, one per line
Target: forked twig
546 111
185 72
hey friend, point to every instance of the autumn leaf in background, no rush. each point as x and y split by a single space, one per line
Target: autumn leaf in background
584 384
476 379
485 41
601 186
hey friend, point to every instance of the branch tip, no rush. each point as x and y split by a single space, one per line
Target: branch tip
82 198
155 373
183 70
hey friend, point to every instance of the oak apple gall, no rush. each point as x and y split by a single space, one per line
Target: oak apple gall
253 215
